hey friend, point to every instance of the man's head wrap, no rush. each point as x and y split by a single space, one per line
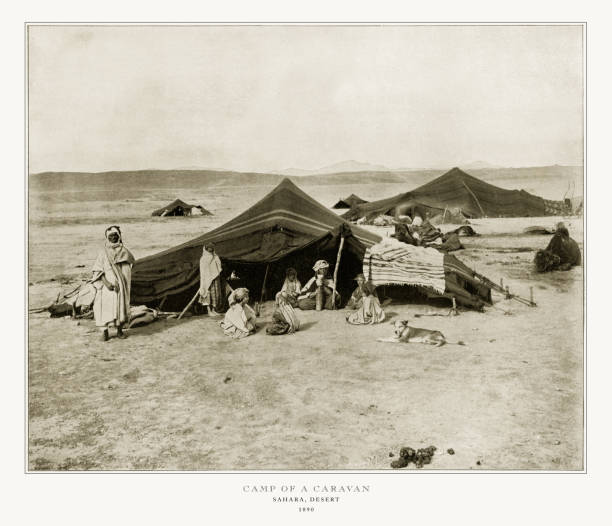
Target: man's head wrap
319 265
112 229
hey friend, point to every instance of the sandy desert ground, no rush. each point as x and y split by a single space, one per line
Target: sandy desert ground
179 395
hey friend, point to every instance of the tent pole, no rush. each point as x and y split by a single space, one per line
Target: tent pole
189 304
161 303
263 286
532 303
336 272
476 198
500 288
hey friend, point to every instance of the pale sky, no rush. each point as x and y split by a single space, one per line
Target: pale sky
255 98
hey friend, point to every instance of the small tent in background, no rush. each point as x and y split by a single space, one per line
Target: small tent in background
287 228
351 201
180 208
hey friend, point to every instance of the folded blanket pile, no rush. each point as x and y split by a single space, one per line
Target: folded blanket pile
391 262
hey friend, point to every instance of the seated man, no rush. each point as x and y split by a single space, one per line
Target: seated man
291 287
239 321
318 292
365 301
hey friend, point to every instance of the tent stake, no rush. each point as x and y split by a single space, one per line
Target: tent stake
336 272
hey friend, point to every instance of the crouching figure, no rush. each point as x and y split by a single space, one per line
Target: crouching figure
562 253
284 318
364 301
240 318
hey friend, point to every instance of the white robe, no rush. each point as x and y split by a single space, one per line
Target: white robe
210 269
239 321
111 307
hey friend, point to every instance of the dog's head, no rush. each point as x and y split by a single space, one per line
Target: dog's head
399 326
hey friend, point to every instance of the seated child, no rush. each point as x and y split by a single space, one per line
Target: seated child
284 318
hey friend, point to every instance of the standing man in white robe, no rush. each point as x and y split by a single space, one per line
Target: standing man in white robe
112 276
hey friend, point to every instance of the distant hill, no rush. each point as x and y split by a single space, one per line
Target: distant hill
556 177
150 178
341 167
478 165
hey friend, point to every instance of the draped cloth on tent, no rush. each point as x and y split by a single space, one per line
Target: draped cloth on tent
393 263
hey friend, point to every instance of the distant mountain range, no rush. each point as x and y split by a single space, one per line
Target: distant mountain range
351 166
341 167
562 179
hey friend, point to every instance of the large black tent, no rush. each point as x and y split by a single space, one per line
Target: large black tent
474 197
285 228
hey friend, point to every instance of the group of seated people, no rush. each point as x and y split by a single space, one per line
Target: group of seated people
317 294
422 233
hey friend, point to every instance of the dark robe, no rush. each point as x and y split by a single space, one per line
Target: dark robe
562 253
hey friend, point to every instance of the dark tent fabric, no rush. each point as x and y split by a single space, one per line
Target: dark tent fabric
285 228
474 197
286 225
179 208
351 201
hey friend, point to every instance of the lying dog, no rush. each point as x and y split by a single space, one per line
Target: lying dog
406 334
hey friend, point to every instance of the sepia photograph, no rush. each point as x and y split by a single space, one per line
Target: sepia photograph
305 247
